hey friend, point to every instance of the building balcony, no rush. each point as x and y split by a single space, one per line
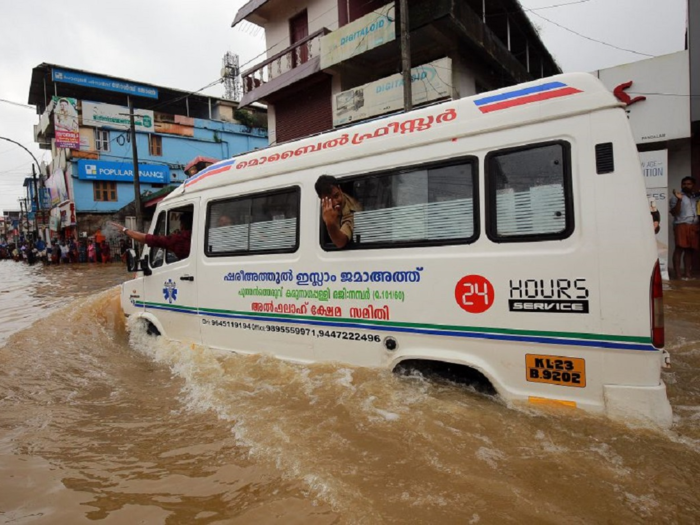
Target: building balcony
298 61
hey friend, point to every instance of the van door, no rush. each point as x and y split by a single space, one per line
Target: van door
171 290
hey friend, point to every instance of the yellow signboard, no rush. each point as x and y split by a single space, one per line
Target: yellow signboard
555 370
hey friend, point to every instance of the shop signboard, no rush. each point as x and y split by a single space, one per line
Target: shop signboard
657 94
109 84
121 171
110 116
429 82
357 37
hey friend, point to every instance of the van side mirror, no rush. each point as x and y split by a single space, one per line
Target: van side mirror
144 266
133 264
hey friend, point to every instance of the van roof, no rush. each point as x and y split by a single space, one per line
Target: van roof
545 99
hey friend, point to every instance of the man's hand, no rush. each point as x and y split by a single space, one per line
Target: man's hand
116 225
330 214
678 194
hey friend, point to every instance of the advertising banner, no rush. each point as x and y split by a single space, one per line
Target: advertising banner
359 36
65 120
67 214
108 84
121 171
428 82
655 170
45 198
116 117
56 184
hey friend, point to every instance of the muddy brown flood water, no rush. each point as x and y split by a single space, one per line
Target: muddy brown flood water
100 425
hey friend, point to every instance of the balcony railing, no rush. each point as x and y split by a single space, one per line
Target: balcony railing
294 56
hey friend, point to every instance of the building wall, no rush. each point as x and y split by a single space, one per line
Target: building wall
463 78
209 138
694 46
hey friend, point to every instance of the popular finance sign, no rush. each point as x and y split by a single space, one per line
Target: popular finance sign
121 171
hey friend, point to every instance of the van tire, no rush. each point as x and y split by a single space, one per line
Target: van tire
151 329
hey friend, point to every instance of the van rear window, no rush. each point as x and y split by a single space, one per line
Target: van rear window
529 193
262 223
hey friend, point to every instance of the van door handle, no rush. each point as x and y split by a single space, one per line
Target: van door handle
187 277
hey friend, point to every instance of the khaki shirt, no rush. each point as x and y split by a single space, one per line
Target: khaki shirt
347 216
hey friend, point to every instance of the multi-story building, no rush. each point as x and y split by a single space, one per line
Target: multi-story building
334 62
85 122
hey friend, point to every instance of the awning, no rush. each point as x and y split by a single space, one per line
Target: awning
247 10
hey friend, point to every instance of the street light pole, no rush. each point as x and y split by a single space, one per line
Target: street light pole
25 149
36 194
137 182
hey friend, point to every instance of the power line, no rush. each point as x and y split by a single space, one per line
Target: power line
591 38
556 5
16 103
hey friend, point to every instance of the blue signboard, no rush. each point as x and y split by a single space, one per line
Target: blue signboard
121 171
109 84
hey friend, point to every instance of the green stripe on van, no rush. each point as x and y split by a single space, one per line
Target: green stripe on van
457 328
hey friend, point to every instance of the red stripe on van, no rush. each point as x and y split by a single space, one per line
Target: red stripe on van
537 97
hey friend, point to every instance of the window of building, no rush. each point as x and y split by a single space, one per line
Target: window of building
156 145
418 206
529 193
104 191
262 223
102 140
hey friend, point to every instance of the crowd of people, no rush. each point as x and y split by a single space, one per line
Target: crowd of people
69 251
684 205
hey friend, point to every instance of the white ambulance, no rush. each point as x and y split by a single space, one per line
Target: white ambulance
506 234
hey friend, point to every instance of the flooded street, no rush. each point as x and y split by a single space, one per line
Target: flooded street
100 424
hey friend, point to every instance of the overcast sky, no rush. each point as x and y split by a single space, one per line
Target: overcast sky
180 44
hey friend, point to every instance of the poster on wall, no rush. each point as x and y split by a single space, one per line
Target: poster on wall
654 166
65 120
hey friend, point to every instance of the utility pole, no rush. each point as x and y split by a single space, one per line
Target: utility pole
22 216
36 203
405 56
137 182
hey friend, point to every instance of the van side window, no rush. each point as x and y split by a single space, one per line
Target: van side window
262 223
529 193
418 206
169 225
179 220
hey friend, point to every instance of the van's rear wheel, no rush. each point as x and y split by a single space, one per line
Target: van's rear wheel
441 371
151 329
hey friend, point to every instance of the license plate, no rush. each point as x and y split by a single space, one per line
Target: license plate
556 370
